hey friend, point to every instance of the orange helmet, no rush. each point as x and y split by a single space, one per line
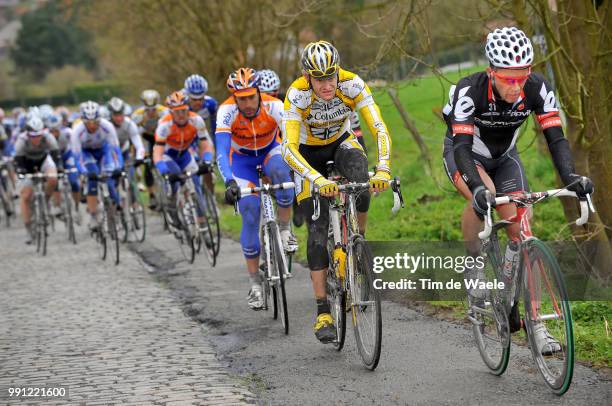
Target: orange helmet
243 82
177 101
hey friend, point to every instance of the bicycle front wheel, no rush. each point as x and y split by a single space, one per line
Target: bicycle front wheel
365 302
67 210
280 270
111 231
137 218
490 323
213 218
548 318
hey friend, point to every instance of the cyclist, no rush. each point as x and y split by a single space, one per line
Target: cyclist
95 147
63 136
195 88
317 128
147 117
127 131
248 135
35 150
174 135
483 116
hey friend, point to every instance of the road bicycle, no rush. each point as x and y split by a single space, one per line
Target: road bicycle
276 261
183 212
537 277
40 215
66 203
350 277
106 233
211 212
134 209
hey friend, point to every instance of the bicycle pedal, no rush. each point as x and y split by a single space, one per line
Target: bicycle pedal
288 275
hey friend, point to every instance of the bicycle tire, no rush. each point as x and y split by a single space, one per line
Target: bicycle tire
113 233
279 262
336 296
137 214
37 224
213 218
205 237
368 333
187 236
490 326
68 220
541 273
128 203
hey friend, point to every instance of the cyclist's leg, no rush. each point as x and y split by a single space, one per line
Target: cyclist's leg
278 170
91 168
245 173
471 224
49 169
352 163
25 190
148 170
112 161
510 178
73 178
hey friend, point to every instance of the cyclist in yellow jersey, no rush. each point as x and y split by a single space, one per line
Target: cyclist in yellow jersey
317 129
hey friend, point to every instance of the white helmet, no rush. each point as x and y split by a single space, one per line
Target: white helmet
54 121
509 47
34 125
104 113
90 110
150 97
116 106
127 110
45 110
320 59
269 81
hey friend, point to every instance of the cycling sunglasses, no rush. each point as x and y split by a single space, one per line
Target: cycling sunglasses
512 80
319 74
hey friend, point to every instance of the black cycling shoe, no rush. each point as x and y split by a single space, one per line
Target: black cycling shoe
515 319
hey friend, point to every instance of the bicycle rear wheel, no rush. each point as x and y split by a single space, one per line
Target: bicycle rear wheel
280 269
547 306
365 302
490 324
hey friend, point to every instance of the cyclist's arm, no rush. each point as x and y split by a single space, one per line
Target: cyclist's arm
226 114
212 106
161 134
20 153
370 112
291 123
462 128
136 140
547 114
204 142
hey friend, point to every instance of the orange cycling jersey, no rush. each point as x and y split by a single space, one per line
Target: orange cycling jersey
250 135
180 137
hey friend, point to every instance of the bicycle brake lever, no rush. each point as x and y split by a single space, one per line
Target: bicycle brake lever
316 206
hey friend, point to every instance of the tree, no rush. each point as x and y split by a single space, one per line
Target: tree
50 39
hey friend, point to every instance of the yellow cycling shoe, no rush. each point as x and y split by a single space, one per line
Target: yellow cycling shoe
324 328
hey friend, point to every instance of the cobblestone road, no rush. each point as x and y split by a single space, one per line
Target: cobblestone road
110 334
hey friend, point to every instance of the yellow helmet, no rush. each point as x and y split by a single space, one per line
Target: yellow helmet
320 59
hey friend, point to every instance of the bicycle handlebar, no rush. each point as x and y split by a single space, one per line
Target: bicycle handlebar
398 199
532 198
266 187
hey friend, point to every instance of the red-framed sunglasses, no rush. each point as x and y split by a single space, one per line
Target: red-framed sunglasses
512 80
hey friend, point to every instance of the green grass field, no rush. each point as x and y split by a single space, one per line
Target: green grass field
433 207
